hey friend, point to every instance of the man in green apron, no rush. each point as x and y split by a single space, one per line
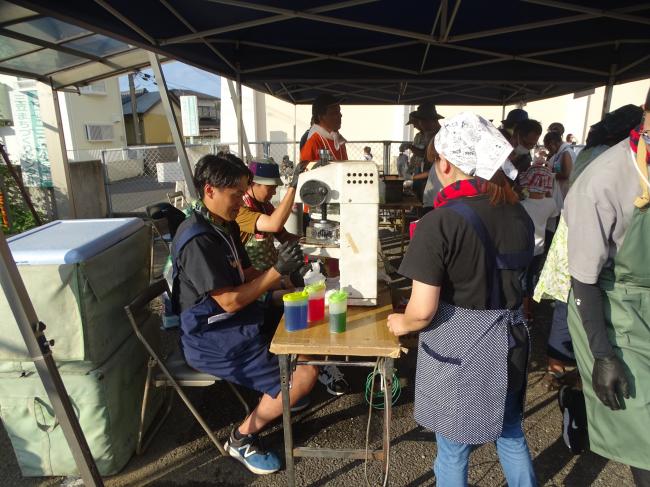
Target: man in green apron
609 306
260 225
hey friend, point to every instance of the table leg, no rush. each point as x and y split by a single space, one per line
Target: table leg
387 372
403 236
285 377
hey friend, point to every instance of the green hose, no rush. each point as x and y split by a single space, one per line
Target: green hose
377 401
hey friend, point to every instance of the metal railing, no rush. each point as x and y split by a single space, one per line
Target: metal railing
136 177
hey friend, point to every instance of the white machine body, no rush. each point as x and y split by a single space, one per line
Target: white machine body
354 185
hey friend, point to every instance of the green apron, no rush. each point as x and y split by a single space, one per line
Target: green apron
260 245
623 435
261 251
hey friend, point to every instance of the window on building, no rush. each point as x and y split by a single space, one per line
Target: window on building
97 88
207 112
99 132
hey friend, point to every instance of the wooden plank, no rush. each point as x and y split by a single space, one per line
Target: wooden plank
366 334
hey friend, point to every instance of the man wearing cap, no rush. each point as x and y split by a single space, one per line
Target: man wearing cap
324 133
259 222
514 117
425 184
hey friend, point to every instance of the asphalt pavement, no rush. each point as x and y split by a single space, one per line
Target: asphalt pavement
182 455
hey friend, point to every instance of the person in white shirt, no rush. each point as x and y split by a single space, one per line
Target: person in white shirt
537 184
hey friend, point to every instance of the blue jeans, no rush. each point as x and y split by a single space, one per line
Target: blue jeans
451 463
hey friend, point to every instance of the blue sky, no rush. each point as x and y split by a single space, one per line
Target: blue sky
179 75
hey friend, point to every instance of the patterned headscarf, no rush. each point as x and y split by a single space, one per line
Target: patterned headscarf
474 146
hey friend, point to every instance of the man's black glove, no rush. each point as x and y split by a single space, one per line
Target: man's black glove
290 258
609 380
294 178
298 277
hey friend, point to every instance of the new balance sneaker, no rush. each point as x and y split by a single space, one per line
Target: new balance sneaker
249 452
333 379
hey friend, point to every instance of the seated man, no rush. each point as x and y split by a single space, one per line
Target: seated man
216 292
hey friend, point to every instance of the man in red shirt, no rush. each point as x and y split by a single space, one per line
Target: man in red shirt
324 133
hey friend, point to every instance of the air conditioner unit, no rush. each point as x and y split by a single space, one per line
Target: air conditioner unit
98 88
99 132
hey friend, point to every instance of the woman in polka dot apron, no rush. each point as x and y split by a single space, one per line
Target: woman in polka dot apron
466 259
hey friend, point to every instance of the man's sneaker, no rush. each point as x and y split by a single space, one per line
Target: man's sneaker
249 451
333 379
302 404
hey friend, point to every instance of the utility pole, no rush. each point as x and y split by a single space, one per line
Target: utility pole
134 111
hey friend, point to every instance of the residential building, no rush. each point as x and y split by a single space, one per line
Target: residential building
153 121
92 120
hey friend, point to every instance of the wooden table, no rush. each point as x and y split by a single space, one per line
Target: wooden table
402 206
366 335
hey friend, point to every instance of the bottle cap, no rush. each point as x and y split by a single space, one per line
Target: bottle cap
315 287
338 296
295 297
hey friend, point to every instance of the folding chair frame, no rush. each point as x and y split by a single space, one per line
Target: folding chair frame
156 289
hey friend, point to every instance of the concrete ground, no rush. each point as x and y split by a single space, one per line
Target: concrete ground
182 455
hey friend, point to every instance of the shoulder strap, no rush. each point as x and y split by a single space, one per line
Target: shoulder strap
470 216
183 238
495 261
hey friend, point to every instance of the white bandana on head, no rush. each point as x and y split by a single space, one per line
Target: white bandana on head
474 146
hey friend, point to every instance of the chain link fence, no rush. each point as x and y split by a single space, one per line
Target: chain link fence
136 177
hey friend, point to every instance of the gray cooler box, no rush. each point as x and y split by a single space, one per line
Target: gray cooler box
79 274
107 402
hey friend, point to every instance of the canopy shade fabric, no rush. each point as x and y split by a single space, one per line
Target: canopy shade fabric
60 53
471 52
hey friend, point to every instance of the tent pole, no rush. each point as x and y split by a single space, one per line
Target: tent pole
173 124
240 118
237 106
609 88
64 152
585 127
135 117
39 350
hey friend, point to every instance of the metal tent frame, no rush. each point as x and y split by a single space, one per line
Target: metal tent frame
377 51
365 51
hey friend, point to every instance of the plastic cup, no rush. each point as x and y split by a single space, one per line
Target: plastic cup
295 311
338 307
316 302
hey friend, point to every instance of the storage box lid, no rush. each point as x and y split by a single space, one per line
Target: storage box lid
70 241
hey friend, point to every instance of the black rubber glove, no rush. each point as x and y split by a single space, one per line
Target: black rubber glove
294 178
609 380
298 277
290 258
